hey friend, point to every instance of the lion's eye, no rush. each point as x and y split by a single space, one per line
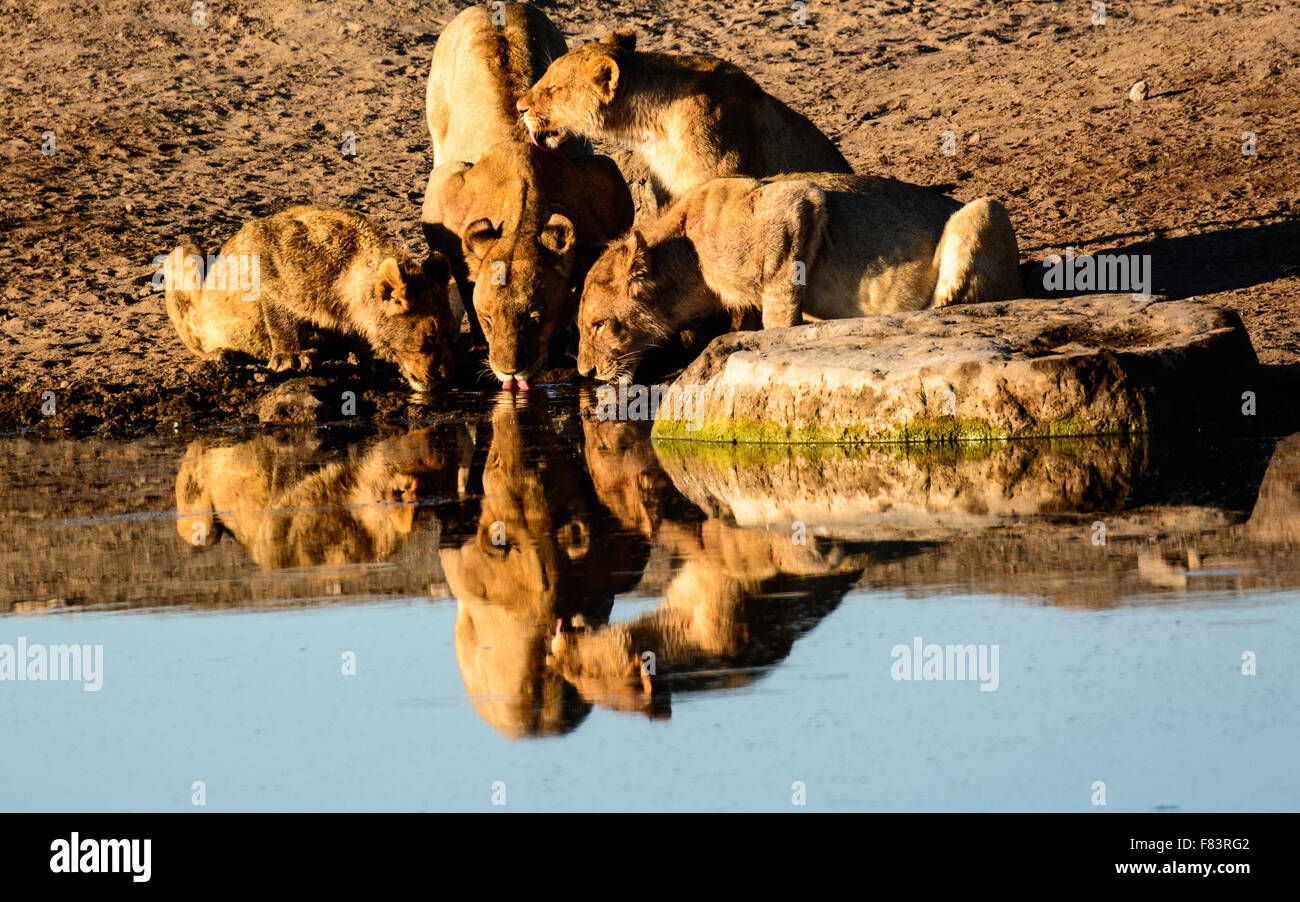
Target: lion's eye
598 327
485 321
535 316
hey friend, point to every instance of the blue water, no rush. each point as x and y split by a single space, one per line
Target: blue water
1150 700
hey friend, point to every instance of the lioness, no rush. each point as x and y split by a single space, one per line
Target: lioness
480 68
333 269
809 246
519 226
523 225
738 601
692 118
539 548
288 507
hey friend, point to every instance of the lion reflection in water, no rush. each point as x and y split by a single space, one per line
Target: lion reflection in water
290 506
737 600
550 545
537 547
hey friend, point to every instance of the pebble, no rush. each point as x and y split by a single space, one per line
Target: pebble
1138 92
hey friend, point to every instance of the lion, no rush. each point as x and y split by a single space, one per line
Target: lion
738 602
625 472
289 508
691 118
313 266
483 61
540 548
798 247
519 225
522 226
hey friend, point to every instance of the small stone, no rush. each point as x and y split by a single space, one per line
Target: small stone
295 401
1138 92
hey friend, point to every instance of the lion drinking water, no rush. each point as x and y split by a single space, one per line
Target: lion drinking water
316 266
814 246
519 224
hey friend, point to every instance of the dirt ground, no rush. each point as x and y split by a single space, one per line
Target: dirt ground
165 128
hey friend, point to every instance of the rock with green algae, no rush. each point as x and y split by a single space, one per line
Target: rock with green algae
1103 364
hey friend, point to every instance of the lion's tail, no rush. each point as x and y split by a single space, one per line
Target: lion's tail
182 279
977 258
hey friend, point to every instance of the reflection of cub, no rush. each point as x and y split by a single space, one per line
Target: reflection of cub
332 269
288 509
540 548
625 472
740 601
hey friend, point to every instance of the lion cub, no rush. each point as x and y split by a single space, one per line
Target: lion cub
815 246
313 266
692 118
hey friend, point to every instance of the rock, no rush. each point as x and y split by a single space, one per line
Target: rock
1092 365
927 493
899 491
1276 517
295 401
1138 92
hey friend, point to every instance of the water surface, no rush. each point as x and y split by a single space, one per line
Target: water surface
523 604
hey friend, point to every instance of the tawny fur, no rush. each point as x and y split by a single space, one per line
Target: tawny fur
691 118
537 217
539 547
330 269
793 248
289 509
522 226
479 71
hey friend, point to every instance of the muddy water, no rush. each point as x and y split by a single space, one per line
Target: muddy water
521 604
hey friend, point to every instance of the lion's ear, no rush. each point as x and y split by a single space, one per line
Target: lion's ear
637 255
436 268
478 239
623 39
390 288
557 235
604 76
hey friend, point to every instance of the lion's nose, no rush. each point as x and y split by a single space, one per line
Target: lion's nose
522 104
587 371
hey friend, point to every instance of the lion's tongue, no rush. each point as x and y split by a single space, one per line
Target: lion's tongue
508 385
523 385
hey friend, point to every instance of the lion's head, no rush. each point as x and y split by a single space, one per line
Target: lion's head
618 317
540 548
530 223
522 291
414 328
573 96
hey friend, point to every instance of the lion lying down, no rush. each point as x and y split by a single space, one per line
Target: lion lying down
805 246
